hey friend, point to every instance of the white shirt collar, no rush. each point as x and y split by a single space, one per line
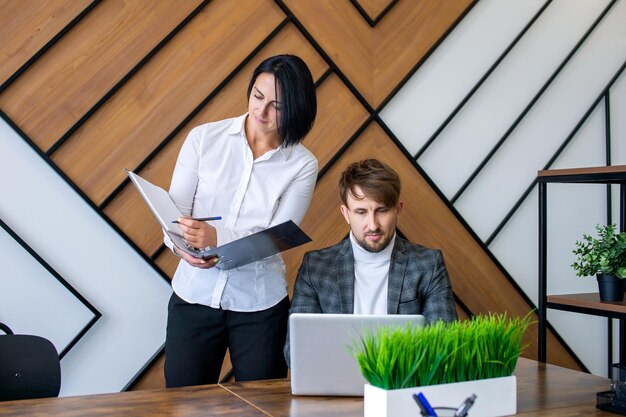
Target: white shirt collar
238 127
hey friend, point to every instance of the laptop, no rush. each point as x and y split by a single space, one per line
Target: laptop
320 349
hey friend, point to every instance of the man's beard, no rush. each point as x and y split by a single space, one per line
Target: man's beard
379 245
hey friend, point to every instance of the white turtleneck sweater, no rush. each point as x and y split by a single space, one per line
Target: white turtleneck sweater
371 273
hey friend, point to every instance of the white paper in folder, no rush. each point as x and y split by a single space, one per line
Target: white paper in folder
240 252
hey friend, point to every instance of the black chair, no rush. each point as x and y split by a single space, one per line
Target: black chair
29 367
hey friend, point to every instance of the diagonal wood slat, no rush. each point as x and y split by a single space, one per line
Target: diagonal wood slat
129 211
377 59
86 63
26 26
163 93
373 8
339 116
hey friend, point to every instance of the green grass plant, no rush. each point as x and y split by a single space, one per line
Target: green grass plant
401 357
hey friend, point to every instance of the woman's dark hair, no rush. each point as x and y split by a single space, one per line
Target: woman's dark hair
378 181
298 101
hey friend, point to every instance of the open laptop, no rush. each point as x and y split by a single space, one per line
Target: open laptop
321 358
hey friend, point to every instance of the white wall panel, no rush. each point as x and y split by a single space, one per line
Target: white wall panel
488 115
442 82
35 302
573 209
547 125
429 96
52 219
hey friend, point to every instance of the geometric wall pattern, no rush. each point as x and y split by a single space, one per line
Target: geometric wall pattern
541 87
51 222
100 86
54 309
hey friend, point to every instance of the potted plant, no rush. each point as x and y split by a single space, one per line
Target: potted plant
447 363
605 257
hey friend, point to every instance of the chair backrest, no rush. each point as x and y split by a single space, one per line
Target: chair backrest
29 367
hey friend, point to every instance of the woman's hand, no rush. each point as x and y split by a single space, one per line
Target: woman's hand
203 263
197 234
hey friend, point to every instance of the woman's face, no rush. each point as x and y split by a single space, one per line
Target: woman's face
263 105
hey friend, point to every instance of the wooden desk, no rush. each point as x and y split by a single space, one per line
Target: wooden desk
543 390
208 400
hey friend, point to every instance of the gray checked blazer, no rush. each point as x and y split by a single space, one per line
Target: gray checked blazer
418 283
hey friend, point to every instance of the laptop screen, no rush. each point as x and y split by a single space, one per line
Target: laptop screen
321 359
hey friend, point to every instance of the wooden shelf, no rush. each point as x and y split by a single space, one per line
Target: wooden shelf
615 174
587 303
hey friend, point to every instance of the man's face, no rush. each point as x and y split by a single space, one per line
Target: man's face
372 223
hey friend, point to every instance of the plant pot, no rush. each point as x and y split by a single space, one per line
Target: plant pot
494 397
611 288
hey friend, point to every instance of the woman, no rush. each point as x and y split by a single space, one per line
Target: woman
254 173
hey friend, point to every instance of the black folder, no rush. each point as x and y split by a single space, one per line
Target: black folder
242 251
251 248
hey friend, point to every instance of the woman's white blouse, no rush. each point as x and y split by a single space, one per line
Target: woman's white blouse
216 175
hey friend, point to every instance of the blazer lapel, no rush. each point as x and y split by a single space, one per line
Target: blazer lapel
397 269
345 277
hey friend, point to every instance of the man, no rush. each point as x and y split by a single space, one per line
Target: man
373 271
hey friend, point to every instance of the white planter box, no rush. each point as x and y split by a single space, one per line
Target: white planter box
494 397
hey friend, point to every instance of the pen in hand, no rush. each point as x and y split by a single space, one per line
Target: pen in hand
202 219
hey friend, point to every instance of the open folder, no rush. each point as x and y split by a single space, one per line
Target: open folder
242 251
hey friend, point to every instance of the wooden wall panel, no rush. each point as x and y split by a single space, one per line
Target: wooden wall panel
461 313
167 89
405 36
129 211
373 8
86 63
27 26
339 115
155 108
167 262
341 31
376 59
154 377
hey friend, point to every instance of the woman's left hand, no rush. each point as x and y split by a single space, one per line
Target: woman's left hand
202 263
198 234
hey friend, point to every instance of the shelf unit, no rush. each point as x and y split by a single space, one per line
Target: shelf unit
578 303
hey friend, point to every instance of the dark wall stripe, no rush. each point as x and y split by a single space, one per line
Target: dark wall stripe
367 17
607 147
